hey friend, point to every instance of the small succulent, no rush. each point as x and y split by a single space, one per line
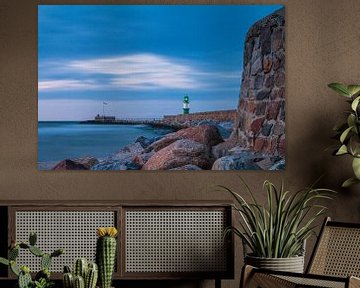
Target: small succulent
42 283
348 133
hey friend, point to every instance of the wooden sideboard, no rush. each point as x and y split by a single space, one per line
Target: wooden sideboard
157 240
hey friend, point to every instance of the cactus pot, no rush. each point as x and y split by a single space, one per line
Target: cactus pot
291 264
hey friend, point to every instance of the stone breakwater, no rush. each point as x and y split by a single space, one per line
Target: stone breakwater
260 122
193 119
186 149
260 118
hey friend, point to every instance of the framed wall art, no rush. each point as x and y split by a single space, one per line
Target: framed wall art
161 87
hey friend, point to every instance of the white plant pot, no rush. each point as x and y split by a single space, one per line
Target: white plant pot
291 264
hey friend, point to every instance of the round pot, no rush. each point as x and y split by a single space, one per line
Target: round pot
291 264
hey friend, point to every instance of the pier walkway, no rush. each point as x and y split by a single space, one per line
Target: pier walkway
155 122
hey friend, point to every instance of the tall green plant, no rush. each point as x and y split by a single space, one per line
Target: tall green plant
279 229
349 131
106 254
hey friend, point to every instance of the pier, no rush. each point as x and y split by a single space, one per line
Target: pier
111 120
174 122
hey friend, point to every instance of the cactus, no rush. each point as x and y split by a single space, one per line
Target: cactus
91 276
90 272
79 282
68 280
67 269
13 253
57 252
24 280
36 251
24 245
4 261
14 268
105 254
45 261
32 238
80 268
42 278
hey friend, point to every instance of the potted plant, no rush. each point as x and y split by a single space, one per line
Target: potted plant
348 133
276 233
42 278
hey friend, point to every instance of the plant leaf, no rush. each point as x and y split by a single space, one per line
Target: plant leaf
355 103
356 167
342 150
340 88
354 145
353 89
345 134
351 119
349 182
279 228
4 261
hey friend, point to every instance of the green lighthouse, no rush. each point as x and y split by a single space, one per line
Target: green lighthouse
186 107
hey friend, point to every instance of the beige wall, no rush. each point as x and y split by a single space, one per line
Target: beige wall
323 45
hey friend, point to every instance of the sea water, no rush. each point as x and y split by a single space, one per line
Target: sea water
65 140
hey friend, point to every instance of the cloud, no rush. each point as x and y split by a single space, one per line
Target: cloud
66 85
142 71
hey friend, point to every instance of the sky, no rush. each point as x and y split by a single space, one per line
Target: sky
140 59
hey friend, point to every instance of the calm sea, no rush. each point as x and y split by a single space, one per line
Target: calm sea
64 140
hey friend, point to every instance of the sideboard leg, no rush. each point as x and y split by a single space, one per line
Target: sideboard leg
217 283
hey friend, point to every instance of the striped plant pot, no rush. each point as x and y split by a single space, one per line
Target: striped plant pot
291 264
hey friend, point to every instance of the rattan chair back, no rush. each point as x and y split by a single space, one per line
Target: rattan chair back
337 252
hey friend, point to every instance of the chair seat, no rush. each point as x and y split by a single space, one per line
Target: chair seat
314 282
263 278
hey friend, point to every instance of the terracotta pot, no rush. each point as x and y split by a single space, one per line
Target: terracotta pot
291 264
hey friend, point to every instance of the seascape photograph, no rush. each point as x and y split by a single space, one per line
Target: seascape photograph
161 87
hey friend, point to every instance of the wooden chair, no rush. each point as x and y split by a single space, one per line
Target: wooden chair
334 263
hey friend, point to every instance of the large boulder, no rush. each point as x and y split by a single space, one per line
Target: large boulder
68 164
223 148
224 128
232 162
87 161
141 159
180 153
129 150
204 134
122 160
111 164
279 165
143 141
239 158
